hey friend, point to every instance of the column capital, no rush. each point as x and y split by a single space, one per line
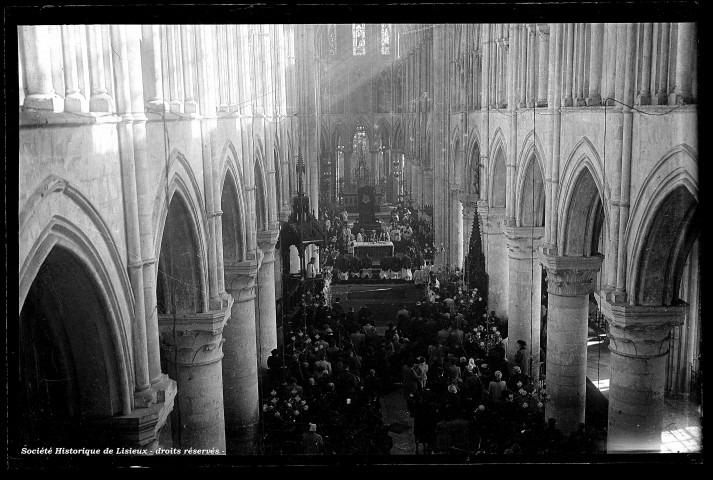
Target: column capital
640 331
523 242
267 239
195 340
493 218
469 199
240 279
570 276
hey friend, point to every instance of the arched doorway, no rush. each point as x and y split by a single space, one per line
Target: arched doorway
67 360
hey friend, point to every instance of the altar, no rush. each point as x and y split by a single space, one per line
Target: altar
375 250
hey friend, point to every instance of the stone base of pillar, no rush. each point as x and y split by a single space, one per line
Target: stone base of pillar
542 103
580 102
568 102
157 105
677 98
643 99
594 100
142 427
522 105
503 104
52 102
175 106
610 102
76 102
101 103
660 99
191 106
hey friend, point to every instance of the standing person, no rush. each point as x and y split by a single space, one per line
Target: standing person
496 387
402 311
312 268
410 382
312 443
520 358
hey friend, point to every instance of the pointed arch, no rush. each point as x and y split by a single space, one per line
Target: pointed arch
233 206
383 131
665 219
262 188
582 195
59 216
498 178
182 181
530 191
473 167
398 136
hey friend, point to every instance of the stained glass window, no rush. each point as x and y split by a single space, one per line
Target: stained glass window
358 39
333 40
385 39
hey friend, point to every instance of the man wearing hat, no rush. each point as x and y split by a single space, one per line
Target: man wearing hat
520 358
312 443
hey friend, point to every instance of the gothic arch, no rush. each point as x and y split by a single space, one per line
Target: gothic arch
340 131
382 127
530 192
398 137
58 218
582 195
662 228
473 168
262 192
183 182
234 215
498 178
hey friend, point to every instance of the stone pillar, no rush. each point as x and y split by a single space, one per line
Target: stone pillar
240 380
456 229
596 60
661 97
531 66
639 344
581 49
644 96
524 285
192 350
569 47
493 220
522 68
153 37
74 101
38 69
685 49
99 101
267 315
543 43
188 50
569 282
174 46
470 203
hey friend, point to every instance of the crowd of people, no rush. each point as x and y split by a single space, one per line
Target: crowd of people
447 354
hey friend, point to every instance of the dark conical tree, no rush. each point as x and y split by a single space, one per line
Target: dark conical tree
475 261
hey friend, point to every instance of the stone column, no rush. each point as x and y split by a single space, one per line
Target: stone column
639 344
267 315
192 350
531 66
153 37
99 101
174 48
644 96
661 97
188 50
240 380
456 228
543 44
596 60
569 47
74 101
470 202
685 49
522 67
524 285
581 49
38 69
493 220
569 282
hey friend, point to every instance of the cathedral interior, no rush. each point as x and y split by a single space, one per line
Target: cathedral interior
159 165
